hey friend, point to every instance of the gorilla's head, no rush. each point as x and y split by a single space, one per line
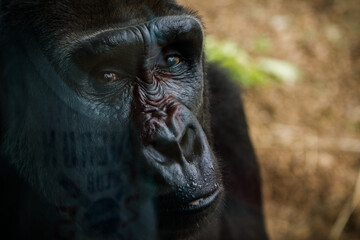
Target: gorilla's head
104 107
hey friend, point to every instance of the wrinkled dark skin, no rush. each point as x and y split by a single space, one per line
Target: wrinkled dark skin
114 127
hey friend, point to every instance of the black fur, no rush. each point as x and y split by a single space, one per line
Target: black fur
38 39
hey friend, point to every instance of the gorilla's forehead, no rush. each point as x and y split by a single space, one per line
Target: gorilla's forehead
66 16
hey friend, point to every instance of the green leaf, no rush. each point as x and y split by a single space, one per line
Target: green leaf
246 70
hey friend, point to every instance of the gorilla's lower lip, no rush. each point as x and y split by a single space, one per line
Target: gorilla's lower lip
202 202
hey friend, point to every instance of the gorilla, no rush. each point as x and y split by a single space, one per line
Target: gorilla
114 126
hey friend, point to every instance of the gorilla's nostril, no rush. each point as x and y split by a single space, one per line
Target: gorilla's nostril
190 144
169 149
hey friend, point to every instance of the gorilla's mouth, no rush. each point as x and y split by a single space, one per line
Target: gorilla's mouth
187 202
202 203
187 216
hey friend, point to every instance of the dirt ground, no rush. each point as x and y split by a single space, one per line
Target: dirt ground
307 135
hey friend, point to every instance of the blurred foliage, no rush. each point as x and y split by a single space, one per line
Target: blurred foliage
263 44
282 70
246 70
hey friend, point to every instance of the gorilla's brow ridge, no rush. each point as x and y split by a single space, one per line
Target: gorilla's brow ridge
75 42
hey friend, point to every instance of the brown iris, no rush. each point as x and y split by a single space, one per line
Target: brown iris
171 61
107 77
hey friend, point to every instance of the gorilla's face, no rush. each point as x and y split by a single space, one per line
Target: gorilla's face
113 121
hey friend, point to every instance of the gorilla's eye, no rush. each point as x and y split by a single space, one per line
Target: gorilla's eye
106 77
172 60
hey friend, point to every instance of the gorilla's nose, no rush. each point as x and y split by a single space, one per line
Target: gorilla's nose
168 147
169 131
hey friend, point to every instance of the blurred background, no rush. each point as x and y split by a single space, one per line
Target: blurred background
299 64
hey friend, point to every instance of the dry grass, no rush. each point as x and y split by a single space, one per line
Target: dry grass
307 135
